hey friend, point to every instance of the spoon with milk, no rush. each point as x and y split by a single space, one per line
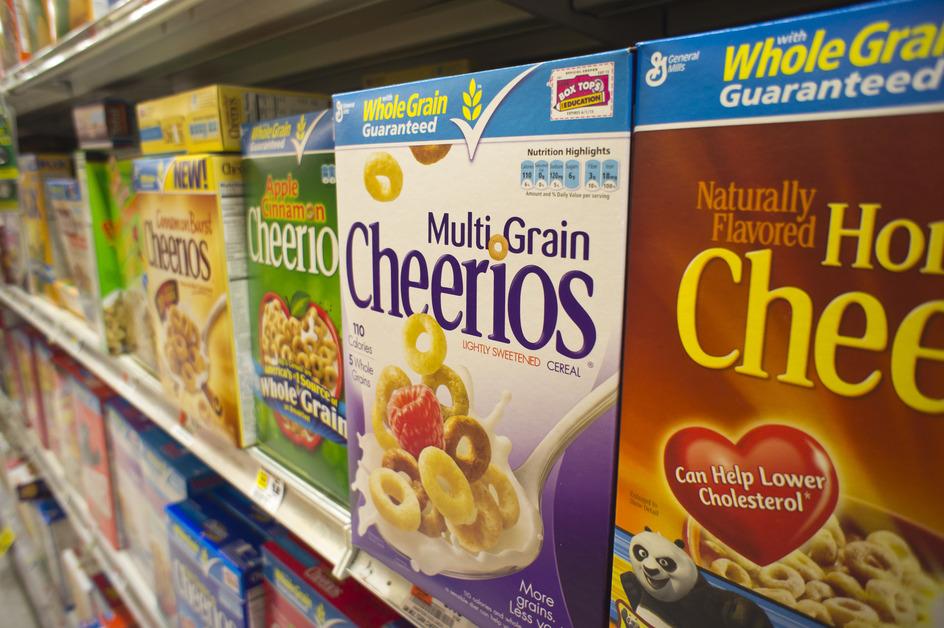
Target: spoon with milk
530 477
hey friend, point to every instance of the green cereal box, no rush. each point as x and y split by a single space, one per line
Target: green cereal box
108 313
139 332
294 292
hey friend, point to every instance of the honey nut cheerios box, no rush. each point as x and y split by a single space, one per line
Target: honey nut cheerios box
295 296
194 248
783 384
483 221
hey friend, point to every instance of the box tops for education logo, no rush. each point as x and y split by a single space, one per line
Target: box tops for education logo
584 91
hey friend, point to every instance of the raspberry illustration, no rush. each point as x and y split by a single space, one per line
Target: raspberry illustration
415 419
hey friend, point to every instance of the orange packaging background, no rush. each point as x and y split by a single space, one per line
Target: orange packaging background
885 453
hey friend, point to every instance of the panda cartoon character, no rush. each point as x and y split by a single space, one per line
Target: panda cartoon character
665 589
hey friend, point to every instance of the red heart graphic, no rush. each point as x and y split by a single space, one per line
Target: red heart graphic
767 520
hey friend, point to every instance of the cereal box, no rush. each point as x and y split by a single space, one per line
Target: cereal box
169 474
110 609
88 402
31 396
108 124
217 567
133 315
125 426
34 170
194 246
209 119
783 384
300 591
73 253
10 367
484 221
58 402
50 387
108 314
295 296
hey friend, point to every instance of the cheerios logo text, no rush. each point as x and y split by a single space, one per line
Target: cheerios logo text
450 288
285 232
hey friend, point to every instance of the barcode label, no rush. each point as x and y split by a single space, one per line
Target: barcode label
428 611
268 490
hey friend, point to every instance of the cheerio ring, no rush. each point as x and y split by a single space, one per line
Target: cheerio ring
394 499
498 247
429 361
383 177
446 485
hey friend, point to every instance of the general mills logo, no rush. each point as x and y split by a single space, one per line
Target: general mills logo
656 75
338 111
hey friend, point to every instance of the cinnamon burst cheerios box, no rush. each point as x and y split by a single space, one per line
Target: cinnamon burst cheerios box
295 296
192 234
783 385
483 221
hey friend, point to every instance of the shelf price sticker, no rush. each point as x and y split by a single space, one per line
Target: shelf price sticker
7 537
268 491
425 610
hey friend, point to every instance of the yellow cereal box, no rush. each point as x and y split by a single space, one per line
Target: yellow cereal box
34 171
209 119
782 420
193 243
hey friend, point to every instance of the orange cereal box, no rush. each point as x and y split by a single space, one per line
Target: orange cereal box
782 419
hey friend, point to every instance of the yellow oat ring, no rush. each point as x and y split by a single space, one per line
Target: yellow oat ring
867 560
892 601
394 499
391 378
508 504
475 464
780 576
844 610
498 247
815 610
429 361
482 534
383 177
732 571
447 487
458 395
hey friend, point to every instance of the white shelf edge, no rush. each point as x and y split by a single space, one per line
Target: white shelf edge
316 519
129 584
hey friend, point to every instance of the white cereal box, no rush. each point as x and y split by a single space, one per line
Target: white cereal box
483 221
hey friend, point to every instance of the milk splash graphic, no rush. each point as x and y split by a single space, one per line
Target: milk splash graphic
518 546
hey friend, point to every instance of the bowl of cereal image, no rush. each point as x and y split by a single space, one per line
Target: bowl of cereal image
864 567
307 343
435 476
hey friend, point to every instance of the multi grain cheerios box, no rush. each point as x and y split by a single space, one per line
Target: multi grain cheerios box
484 221
783 391
194 247
295 296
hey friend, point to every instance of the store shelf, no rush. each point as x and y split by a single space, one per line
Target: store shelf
321 523
117 565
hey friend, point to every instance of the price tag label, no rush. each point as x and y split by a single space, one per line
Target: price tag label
6 540
426 610
268 491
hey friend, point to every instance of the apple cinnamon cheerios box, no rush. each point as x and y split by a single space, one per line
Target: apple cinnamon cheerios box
484 220
295 296
194 248
783 385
